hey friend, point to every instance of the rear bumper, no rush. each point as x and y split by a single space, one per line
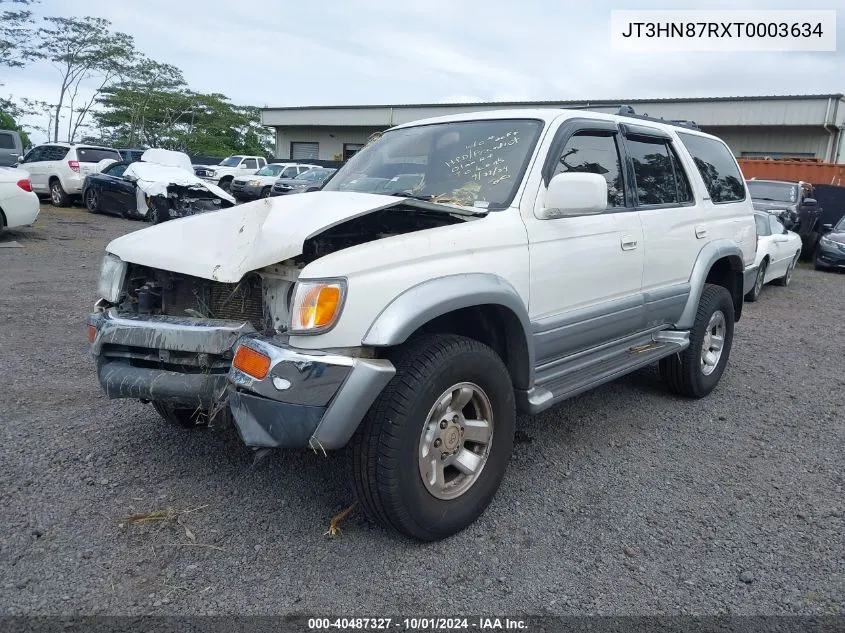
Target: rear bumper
21 209
308 398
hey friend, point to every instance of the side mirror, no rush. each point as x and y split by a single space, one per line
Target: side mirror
827 228
811 202
573 194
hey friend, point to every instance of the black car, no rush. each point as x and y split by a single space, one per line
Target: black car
311 180
830 253
110 192
793 202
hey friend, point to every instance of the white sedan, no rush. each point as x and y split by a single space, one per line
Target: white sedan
18 204
777 253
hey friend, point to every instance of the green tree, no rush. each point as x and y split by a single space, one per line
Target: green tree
83 50
7 122
16 31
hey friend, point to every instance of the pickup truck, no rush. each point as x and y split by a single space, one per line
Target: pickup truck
458 270
794 204
228 168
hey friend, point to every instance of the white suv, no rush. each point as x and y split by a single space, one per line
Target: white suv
59 169
457 271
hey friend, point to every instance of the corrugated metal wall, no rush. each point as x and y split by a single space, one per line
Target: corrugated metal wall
816 173
796 141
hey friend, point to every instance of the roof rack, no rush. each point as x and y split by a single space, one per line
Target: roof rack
626 110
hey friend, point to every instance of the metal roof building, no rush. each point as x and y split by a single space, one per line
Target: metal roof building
787 126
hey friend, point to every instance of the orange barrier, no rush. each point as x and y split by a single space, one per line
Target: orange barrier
812 172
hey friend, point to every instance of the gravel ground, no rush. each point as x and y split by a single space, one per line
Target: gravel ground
622 501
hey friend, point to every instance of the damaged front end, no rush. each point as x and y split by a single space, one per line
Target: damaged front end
173 337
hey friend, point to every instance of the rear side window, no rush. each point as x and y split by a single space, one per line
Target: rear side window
717 167
658 174
52 152
95 154
7 141
776 225
250 163
762 225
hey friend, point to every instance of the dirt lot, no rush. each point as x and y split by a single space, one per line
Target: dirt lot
623 500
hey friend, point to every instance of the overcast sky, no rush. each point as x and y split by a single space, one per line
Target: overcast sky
330 52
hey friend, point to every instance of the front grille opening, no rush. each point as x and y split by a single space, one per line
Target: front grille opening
182 362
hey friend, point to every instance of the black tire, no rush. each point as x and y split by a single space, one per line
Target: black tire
225 184
58 196
157 211
784 281
185 417
759 282
385 451
683 372
265 193
91 198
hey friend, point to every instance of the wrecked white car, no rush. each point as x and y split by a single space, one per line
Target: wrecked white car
451 272
159 187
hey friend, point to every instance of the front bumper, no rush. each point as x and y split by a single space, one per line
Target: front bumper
168 359
830 257
749 277
308 397
245 191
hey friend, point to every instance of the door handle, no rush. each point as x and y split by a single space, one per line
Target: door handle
628 243
700 232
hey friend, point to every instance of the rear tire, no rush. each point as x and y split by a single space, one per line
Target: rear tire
58 196
185 417
445 388
759 282
696 371
784 281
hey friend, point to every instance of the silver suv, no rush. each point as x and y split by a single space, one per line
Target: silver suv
59 169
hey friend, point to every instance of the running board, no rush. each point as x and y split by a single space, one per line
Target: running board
589 371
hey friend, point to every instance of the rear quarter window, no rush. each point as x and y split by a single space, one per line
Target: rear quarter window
717 166
7 141
95 154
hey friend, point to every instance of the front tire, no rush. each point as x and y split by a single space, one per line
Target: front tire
759 282
58 196
696 371
432 450
265 193
92 200
225 184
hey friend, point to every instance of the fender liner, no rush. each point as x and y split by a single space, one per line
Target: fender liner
430 299
709 255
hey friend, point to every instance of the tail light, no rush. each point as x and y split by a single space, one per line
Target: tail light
74 165
25 184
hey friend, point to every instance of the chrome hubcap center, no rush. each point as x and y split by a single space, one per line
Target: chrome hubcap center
451 437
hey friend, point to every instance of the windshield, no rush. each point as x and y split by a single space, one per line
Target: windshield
472 163
780 192
270 170
232 161
840 226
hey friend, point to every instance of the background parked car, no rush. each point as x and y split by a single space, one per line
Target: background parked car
830 253
109 192
223 173
159 187
258 185
11 148
18 204
59 169
778 250
794 203
311 180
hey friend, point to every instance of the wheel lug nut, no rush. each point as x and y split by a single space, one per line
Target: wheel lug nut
455 419
443 424
437 443
444 456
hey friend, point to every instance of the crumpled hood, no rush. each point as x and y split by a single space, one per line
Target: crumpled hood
153 179
225 245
